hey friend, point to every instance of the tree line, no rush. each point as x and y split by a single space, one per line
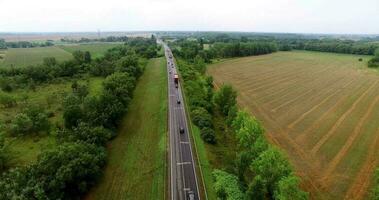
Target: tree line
285 42
52 71
190 49
24 44
259 170
70 169
374 62
104 39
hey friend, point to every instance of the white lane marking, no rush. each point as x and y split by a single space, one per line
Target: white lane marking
184 142
184 163
187 189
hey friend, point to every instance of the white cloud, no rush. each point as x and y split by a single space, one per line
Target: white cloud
317 16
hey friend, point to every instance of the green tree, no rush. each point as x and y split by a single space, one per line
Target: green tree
201 118
120 86
86 133
72 110
288 189
208 135
271 166
39 118
65 172
81 57
227 186
225 98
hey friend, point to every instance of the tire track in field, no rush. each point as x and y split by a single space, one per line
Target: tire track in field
236 75
362 180
263 81
324 138
301 138
357 131
291 78
319 104
301 95
294 86
311 163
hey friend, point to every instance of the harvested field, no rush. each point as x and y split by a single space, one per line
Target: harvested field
321 108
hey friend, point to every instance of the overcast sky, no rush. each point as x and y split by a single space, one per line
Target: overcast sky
301 16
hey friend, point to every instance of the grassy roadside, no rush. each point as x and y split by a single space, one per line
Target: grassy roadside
136 166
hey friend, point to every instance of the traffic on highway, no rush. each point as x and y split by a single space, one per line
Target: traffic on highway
183 179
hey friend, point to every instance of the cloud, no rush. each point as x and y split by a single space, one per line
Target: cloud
311 16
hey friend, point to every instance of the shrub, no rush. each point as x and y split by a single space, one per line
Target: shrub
62 173
86 133
227 186
208 135
7 101
201 118
4 156
21 125
225 99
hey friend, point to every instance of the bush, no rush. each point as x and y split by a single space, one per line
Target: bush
62 173
33 120
201 118
208 135
39 118
225 99
4 156
72 111
86 133
227 186
7 101
21 125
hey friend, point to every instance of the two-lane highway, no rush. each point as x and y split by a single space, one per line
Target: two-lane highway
183 179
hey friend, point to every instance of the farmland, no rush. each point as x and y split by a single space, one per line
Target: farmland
22 57
136 166
321 108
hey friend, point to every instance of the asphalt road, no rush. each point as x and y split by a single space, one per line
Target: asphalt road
183 179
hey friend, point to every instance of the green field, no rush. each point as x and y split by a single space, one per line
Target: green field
321 108
24 150
136 167
22 57
96 49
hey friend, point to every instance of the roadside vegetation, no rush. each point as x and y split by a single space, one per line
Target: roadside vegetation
244 165
68 169
137 166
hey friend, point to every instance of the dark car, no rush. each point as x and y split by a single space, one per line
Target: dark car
181 130
178 101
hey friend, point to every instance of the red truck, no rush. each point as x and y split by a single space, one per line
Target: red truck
176 80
